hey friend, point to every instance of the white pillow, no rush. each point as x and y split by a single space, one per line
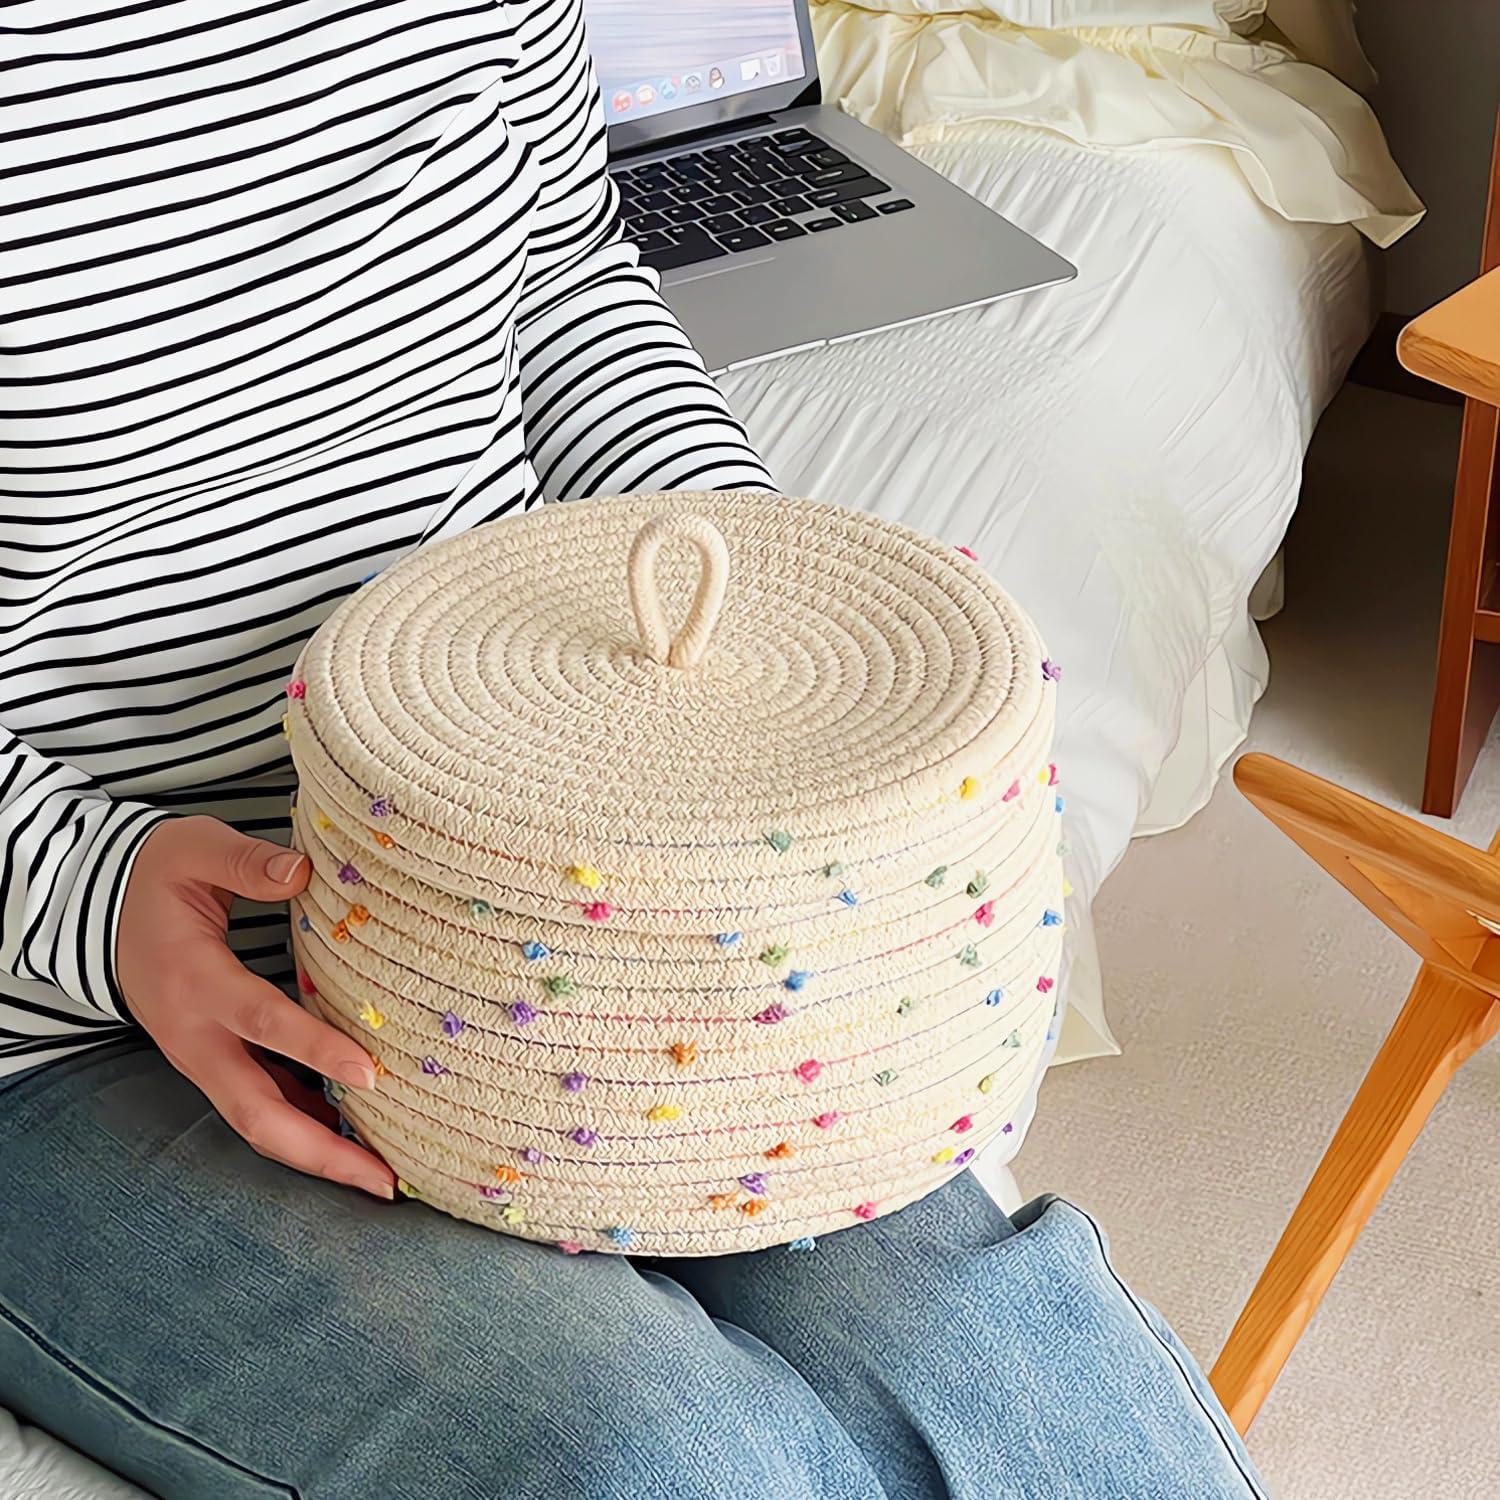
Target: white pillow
1048 15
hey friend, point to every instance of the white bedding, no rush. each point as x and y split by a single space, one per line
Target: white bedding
1123 452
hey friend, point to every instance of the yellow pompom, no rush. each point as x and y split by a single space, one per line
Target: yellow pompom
371 1017
968 787
286 725
664 1112
585 875
986 1083
946 1154
406 1189
1067 888
323 822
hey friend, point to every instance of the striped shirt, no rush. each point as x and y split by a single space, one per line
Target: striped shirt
286 290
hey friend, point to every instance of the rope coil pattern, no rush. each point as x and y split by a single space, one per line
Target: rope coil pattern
680 944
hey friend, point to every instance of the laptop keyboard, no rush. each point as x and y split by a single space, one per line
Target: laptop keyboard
724 200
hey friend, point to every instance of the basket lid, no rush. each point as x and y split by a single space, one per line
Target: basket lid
670 673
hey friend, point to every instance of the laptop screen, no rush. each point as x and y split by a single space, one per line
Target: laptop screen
654 56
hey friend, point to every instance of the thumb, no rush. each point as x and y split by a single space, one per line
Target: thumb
249 867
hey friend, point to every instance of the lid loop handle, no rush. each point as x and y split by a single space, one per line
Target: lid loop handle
686 649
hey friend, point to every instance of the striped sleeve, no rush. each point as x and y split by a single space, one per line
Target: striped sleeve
67 849
616 399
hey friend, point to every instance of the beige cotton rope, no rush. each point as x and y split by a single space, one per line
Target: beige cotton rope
680 943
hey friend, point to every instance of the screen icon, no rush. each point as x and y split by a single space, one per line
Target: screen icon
715 79
750 70
693 83
773 65
645 95
622 102
667 89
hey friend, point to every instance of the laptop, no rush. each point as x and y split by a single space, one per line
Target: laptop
779 223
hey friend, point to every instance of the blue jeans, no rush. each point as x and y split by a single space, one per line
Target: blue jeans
216 1327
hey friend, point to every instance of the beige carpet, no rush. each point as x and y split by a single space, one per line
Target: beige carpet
1250 993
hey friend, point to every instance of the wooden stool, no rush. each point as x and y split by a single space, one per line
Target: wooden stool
1442 897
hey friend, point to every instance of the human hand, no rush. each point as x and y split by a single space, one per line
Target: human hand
210 1015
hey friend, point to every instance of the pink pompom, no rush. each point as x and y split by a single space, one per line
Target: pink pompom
827 1120
864 1211
809 1070
296 688
599 911
985 914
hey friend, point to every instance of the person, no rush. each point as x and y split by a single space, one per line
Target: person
290 289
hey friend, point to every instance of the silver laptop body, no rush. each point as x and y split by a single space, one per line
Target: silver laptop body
716 127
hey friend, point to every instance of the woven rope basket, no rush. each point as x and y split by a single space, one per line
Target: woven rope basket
680 944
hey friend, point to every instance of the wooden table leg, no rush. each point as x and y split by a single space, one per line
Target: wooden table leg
1443 1022
1467 692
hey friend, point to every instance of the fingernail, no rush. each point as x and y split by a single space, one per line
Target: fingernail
356 1075
381 1189
282 868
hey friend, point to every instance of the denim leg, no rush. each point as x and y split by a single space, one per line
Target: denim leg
210 1324
979 1358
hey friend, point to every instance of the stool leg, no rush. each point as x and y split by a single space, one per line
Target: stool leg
1443 1022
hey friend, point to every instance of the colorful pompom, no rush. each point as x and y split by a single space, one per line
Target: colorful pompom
598 911
381 807
522 1012
827 1120
296 688
864 1211
453 1023
684 1054
586 876
771 1015
664 1112
357 916
534 952
808 1071
968 788
349 875
797 979
779 840
575 1083
372 1018
581 1135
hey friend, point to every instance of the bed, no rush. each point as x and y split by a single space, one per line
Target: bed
1124 452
